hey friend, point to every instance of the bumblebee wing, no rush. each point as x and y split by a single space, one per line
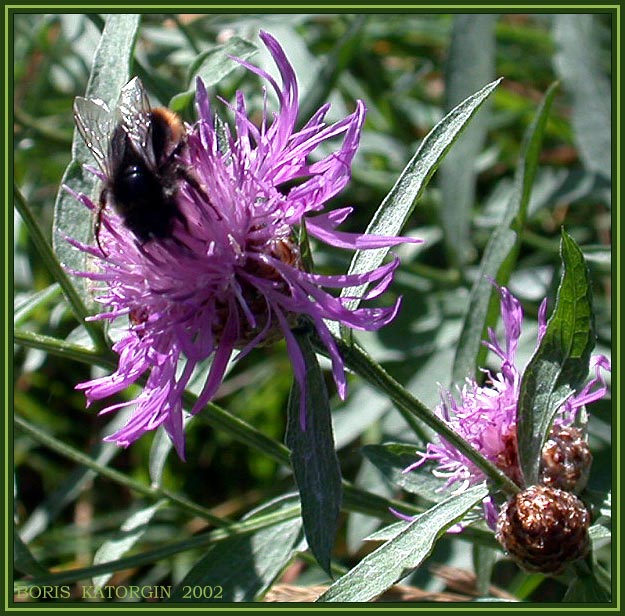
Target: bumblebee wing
134 114
95 123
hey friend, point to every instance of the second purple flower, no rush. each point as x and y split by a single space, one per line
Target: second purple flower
485 416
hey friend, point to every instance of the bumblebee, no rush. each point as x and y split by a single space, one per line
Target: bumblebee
137 150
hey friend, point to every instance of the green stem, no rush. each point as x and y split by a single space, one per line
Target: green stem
451 277
361 363
130 483
50 134
240 430
57 272
524 584
550 246
150 556
355 499
62 348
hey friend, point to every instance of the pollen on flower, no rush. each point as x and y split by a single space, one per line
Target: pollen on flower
229 277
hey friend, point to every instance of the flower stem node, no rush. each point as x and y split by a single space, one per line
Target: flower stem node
544 529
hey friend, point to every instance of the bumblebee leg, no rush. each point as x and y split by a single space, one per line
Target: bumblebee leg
98 220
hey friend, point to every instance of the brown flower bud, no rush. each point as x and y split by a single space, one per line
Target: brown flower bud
566 460
544 529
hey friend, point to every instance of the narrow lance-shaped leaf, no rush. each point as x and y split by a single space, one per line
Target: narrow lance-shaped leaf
399 203
586 589
25 305
484 559
313 457
560 363
470 63
581 66
51 262
23 560
501 251
129 533
242 567
392 458
110 71
212 66
398 557
160 449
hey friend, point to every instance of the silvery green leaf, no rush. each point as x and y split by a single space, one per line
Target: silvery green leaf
395 559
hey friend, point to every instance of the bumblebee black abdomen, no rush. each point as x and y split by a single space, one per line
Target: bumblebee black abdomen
145 201
138 150
143 189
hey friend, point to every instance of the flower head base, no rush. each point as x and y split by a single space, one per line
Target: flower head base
230 277
566 459
544 529
486 417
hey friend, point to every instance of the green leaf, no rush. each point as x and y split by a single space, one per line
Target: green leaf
129 533
501 251
23 560
586 589
389 532
399 203
560 363
582 69
598 532
50 260
109 73
26 304
313 457
74 482
359 525
243 567
470 63
395 559
159 451
484 559
331 68
212 66
392 458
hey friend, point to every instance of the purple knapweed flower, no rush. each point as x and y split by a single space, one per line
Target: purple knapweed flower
486 416
231 277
